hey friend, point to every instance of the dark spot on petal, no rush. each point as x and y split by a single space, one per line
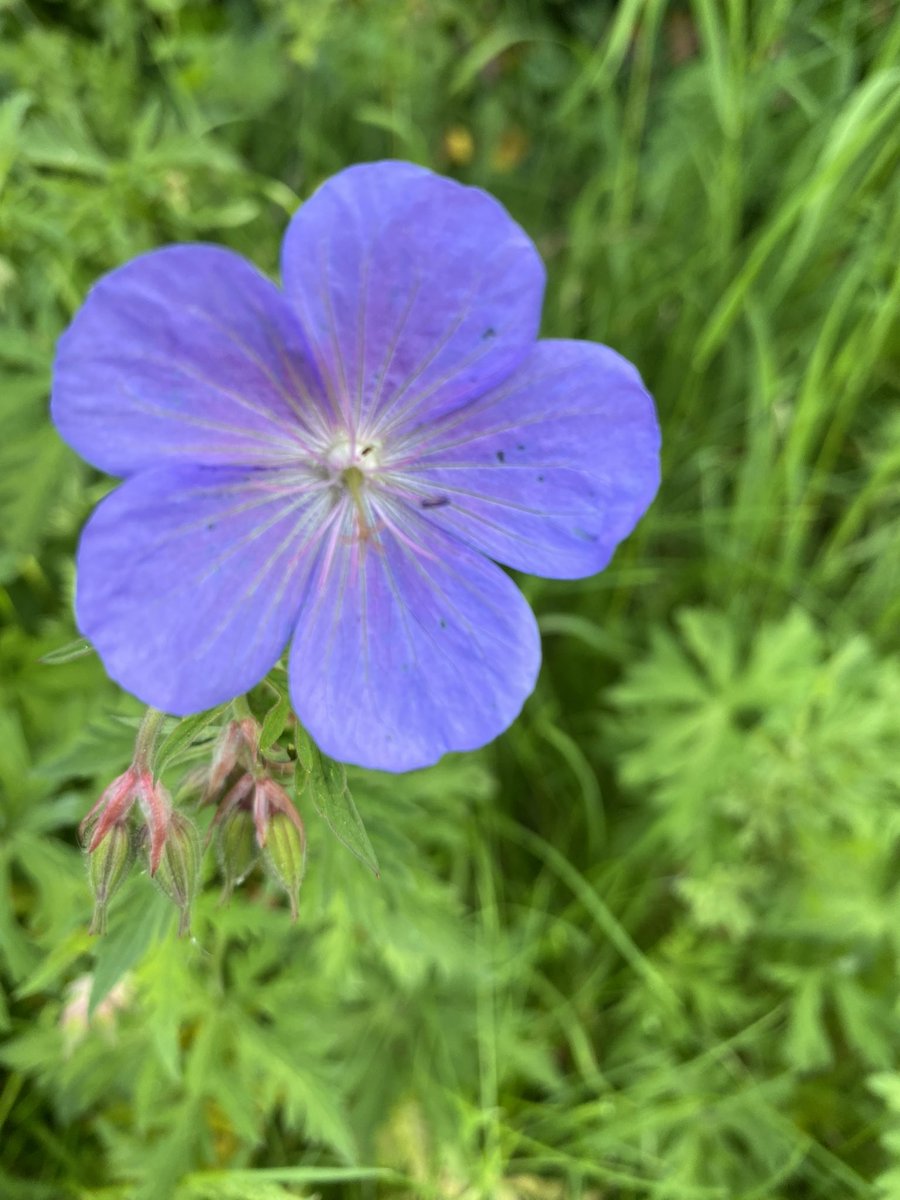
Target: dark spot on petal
366 450
210 525
435 501
443 623
520 446
585 535
489 333
501 457
540 479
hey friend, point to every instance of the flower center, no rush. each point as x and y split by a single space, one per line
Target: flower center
351 468
352 454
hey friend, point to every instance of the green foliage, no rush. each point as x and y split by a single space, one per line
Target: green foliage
646 946
324 784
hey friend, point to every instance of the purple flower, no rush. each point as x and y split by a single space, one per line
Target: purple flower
336 464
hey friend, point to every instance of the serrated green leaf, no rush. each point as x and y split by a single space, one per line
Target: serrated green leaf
135 927
325 783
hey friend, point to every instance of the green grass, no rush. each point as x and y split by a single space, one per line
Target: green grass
646 946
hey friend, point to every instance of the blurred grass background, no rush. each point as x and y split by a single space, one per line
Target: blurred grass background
647 944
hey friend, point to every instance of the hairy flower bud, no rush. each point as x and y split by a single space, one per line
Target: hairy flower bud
116 802
285 855
236 848
114 805
108 865
235 748
178 870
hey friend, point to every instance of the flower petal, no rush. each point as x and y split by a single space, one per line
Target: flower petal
407 648
184 353
189 579
549 472
414 291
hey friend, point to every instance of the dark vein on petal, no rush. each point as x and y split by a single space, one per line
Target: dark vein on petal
394 343
244 595
418 371
178 366
432 436
219 516
441 594
361 319
301 562
324 248
154 408
252 535
524 388
309 415
249 353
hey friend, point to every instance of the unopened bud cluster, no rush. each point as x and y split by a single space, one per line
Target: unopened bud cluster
254 821
255 818
113 838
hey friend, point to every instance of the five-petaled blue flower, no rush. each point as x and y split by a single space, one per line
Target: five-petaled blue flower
336 465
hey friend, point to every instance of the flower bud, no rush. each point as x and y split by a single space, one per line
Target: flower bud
156 806
108 865
285 854
178 870
111 809
235 748
236 848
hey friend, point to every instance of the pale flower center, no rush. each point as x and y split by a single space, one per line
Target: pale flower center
353 454
352 464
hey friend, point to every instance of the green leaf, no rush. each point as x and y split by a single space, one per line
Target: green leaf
31 467
183 736
274 723
325 782
135 927
56 964
806 1044
12 114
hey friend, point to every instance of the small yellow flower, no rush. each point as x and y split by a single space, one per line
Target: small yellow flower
459 145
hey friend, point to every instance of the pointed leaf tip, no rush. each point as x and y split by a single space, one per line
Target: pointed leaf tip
325 782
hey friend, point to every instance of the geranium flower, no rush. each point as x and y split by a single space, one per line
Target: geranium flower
341 464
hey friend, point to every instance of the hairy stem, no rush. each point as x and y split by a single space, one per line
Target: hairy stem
147 737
